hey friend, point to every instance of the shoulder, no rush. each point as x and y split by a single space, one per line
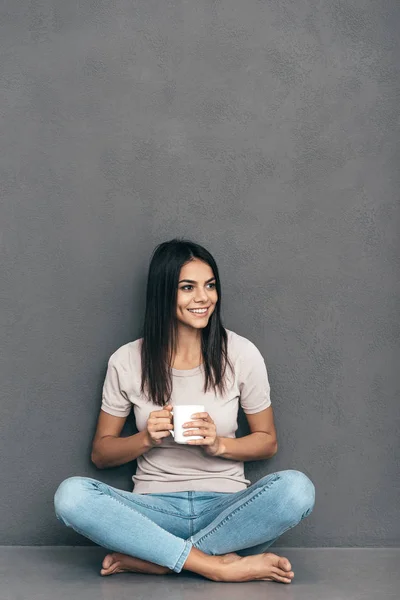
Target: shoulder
240 346
126 356
246 357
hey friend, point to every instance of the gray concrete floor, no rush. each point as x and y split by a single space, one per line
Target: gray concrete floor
65 573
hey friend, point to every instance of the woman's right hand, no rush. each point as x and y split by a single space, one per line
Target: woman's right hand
158 425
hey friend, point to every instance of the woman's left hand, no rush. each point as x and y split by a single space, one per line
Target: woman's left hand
203 424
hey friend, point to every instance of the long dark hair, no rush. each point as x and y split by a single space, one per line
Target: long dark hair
161 326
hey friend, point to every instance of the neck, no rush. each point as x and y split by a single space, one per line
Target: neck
188 343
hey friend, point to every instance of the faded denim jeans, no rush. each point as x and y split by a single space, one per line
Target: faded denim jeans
162 528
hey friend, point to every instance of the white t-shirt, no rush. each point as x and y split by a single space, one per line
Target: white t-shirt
172 467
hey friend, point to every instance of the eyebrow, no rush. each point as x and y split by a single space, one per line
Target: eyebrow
192 281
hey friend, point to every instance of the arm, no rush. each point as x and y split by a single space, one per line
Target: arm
255 400
110 450
261 443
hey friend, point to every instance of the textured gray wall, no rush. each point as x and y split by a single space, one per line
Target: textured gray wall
265 130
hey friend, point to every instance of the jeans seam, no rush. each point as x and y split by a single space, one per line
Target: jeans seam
169 512
156 508
236 510
142 515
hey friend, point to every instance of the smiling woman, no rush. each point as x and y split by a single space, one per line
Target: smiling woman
183 278
191 507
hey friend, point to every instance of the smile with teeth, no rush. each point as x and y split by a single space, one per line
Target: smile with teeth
198 311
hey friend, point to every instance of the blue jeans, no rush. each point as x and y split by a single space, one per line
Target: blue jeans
162 528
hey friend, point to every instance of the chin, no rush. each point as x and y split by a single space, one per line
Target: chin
198 325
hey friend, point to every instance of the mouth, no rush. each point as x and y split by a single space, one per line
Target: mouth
200 312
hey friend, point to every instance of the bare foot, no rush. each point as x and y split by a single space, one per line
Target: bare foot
115 562
231 557
265 566
122 563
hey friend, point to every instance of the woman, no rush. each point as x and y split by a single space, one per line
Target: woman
191 507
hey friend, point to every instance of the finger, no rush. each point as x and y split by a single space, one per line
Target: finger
198 424
155 413
164 413
160 420
197 431
204 431
201 415
162 426
160 414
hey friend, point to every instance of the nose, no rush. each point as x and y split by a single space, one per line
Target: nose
201 296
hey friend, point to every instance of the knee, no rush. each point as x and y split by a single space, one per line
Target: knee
299 492
70 496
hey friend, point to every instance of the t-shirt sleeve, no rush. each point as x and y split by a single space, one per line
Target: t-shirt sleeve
254 384
115 400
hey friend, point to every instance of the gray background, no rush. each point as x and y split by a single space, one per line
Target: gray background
265 130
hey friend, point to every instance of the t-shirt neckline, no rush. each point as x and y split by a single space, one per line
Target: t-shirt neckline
188 372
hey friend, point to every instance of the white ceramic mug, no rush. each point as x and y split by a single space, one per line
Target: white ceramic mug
183 414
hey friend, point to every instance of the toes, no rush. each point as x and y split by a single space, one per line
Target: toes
282 579
286 574
110 570
280 562
108 561
277 578
284 564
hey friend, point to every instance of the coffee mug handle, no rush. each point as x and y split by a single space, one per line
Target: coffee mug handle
172 432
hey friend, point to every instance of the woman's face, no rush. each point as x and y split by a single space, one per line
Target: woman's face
197 293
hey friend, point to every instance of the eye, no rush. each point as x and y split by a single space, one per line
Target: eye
190 286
